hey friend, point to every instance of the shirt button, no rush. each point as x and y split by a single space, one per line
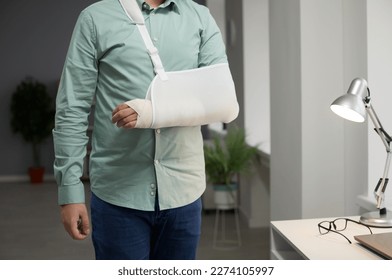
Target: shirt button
158 131
156 161
152 193
155 39
152 186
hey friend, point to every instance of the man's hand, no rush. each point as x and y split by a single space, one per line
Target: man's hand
75 220
124 116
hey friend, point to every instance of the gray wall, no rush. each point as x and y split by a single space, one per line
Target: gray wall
34 38
234 47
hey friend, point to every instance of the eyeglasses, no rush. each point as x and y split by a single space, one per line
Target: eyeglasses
338 225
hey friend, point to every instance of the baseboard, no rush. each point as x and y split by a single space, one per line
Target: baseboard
22 178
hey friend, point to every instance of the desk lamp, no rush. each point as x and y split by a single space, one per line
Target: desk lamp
354 106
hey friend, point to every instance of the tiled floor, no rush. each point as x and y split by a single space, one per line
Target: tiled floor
30 229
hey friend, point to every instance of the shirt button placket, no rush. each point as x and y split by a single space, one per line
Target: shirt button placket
153 22
157 161
152 191
157 132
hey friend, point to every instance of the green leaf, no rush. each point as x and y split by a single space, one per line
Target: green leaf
228 156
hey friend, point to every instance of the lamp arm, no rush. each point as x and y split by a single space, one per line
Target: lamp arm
385 138
379 191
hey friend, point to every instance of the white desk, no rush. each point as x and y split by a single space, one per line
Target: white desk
300 239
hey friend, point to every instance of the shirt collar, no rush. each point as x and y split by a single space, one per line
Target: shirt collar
167 3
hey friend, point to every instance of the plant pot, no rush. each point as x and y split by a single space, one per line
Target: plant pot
36 175
225 196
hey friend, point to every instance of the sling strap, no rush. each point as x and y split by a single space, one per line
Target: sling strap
132 10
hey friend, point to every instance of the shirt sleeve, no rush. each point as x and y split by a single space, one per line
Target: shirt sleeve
73 103
212 47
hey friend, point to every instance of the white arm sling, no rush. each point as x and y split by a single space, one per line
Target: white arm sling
182 98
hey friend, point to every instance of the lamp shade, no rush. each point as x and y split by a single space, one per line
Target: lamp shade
351 106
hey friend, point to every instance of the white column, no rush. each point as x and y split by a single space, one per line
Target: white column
313 169
286 127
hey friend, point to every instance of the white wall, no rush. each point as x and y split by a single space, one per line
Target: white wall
321 81
319 163
379 45
355 134
256 73
255 204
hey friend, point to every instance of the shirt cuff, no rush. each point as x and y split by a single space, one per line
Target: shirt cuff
71 194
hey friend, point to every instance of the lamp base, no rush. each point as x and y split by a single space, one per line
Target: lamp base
375 219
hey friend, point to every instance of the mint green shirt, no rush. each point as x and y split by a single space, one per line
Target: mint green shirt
107 63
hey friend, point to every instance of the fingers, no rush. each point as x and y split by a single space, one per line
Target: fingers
75 220
119 108
124 116
127 122
84 224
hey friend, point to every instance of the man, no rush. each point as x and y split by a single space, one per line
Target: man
146 184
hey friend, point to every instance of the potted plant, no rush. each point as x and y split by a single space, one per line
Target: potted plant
32 116
225 158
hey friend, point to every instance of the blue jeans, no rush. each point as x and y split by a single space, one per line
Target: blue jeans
121 233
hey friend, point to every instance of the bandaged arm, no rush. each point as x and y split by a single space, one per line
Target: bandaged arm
143 108
188 98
